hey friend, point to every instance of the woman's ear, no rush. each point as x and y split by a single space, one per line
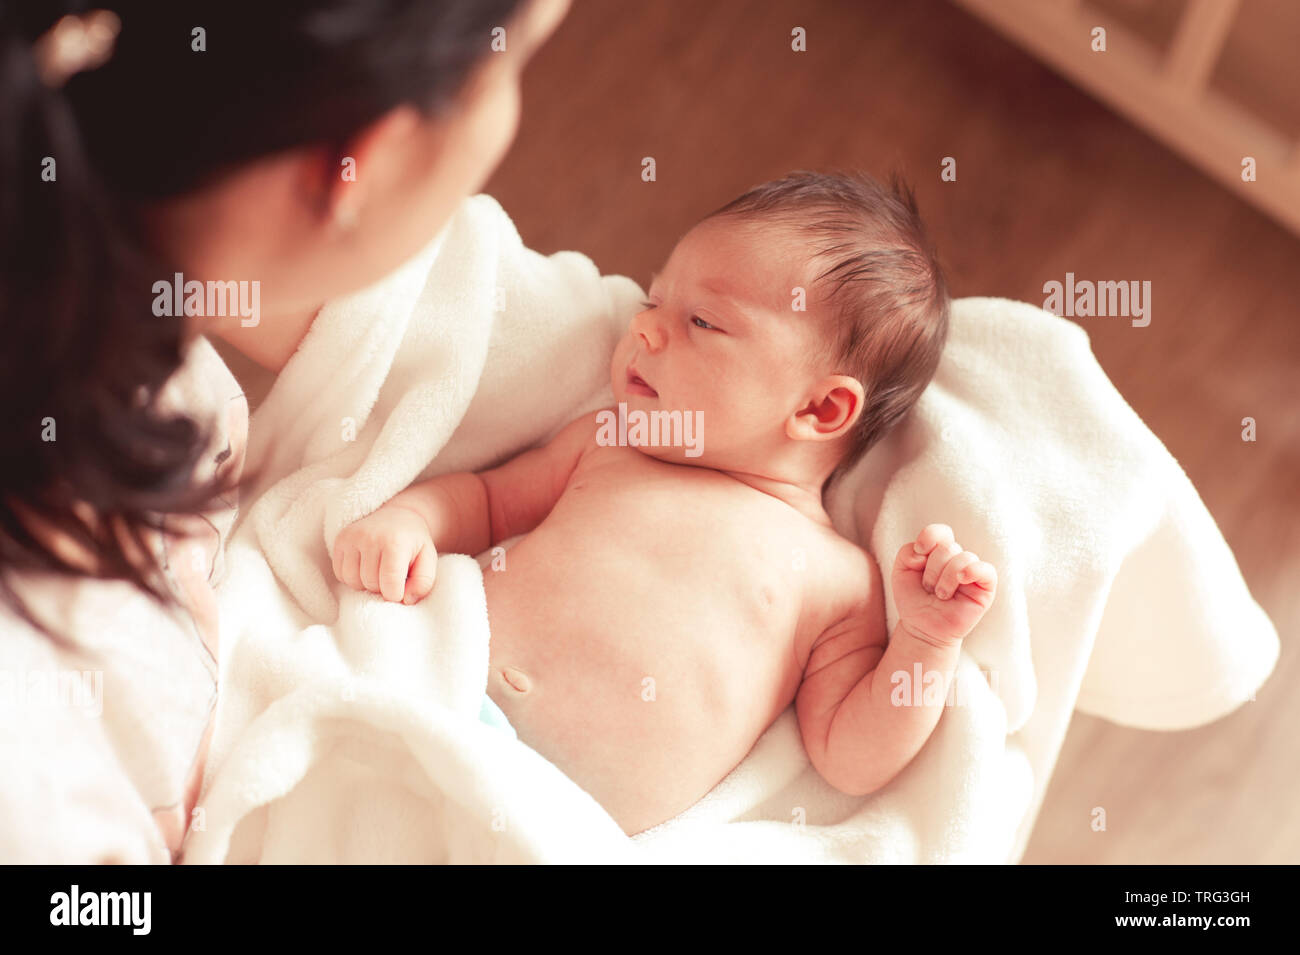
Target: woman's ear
367 163
831 409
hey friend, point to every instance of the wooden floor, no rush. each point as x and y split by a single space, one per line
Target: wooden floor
1049 181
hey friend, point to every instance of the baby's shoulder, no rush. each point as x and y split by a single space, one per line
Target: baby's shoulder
848 575
582 430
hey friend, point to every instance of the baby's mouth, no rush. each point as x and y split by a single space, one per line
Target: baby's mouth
636 385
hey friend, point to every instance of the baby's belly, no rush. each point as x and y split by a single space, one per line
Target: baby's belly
645 671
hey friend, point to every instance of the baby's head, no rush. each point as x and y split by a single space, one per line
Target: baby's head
798 324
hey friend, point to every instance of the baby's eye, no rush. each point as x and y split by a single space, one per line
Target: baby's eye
701 323
647 304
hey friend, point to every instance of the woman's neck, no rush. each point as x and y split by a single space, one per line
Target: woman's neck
271 342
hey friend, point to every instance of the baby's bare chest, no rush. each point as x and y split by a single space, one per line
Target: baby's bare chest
700 530
649 630
670 561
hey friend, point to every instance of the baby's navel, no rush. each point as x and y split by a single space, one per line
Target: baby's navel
517 679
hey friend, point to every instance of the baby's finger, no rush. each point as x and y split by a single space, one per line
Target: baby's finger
950 579
370 568
937 561
931 536
423 570
908 559
336 561
350 564
394 560
982 574
343 549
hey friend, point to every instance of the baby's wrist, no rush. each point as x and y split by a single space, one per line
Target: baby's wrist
398 505
938 641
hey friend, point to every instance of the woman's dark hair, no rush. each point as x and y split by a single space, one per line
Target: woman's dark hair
82 356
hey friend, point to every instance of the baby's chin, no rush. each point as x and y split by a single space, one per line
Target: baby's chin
642 422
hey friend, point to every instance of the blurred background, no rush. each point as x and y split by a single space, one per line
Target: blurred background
1050 179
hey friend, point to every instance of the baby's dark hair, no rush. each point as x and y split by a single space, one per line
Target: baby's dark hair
881 279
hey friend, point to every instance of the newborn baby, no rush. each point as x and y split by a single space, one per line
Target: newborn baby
671 600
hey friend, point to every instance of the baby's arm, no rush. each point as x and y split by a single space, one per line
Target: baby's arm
857 735
394 551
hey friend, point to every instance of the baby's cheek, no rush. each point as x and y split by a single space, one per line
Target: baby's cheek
618 365
751 408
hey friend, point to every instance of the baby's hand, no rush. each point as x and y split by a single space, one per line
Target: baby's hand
941 590
389 553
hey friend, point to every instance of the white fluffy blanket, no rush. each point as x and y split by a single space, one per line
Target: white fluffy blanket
348 728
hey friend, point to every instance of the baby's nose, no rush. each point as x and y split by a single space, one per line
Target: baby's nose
647 327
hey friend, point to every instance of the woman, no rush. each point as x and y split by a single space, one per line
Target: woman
299 151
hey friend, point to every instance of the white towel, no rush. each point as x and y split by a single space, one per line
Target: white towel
347 729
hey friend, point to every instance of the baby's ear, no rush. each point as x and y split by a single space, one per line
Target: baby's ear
833 406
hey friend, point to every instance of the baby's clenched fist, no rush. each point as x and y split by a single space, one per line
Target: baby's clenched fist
389 553
940 589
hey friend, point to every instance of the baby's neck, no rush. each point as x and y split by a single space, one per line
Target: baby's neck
804 498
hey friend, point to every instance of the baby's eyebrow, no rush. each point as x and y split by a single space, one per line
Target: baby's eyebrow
736 308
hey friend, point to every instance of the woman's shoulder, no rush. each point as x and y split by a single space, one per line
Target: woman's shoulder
105 727
103 720
204 389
